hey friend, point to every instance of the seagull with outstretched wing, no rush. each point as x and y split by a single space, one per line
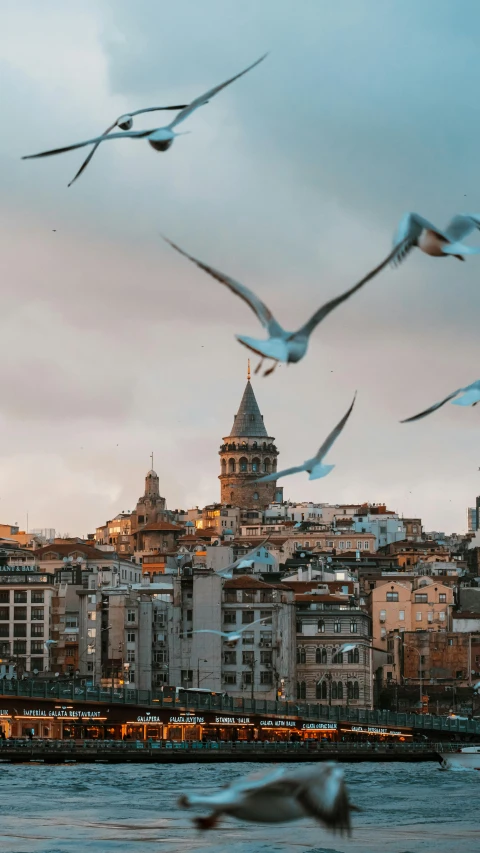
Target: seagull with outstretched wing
281 345
232 637
314 466
280 795
160 138
227 572
469 396
414 230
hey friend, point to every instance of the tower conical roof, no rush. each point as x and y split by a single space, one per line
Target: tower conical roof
248 421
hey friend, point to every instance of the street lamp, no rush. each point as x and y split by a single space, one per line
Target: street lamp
414 648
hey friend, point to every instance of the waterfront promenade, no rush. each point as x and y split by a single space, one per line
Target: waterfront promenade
23 751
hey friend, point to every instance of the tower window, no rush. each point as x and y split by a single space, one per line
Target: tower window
255 496
243 463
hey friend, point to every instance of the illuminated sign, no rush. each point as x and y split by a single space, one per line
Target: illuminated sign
61 713
149 719
318 726
233 721
187 721
374 730
279 724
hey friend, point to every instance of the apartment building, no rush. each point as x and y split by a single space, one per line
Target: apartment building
25 620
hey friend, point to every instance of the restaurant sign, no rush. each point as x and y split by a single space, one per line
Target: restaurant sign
313 727
233 721
278 724
187 720
375 730
60 713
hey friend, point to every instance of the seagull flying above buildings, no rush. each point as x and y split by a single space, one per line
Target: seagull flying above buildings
280 795
281 345
242 562
124 122
470 396
414 230
160 138
232 637
314 466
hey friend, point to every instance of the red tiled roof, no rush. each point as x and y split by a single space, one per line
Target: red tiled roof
250 582
160 525
323 597
66 550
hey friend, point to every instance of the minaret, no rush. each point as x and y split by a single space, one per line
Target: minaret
247 453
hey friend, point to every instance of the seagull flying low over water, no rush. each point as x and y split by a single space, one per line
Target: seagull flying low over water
232 637
227 572
160 138
414 230
470 396
314 466
281 345
280 795
124 122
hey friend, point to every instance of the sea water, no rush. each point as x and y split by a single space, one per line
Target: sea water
406 808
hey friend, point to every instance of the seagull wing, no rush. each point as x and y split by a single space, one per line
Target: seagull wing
408 232
275 475
246 556
322 312
92 152
138 134
198 102
210 631
326 799
155 109
323 450
258 307
432 408
462 225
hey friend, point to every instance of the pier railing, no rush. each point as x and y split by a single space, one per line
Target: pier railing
195 702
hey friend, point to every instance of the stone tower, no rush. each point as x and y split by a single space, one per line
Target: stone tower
247 453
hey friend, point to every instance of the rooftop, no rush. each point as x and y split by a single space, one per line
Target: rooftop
248 422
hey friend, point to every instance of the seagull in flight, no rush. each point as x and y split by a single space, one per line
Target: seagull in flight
124 122
279 795
160 138
414 230
314 466
469 396
227 572
232 637
281 345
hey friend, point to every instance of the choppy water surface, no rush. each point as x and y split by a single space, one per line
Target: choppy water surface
409 808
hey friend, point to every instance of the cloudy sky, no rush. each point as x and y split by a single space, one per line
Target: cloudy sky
292 180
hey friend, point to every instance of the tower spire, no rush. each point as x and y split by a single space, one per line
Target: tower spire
248 371
151 457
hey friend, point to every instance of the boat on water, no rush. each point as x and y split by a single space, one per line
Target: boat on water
466 756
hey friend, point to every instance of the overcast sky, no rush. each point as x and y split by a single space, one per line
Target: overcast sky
292 180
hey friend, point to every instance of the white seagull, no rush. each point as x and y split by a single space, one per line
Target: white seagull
414 230
227 572
232 637
314 466
160 138
124 122
470 396
281 345
280 795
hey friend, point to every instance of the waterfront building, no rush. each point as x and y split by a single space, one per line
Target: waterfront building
25 621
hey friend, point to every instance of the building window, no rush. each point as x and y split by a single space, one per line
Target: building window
299 628
337 657
4 614
265 614
401 616
341 544
418 616
441 616
230 617
301 690
333 690
248 638
337 627
247 677
321 690
348 545
353 627
4 596
229 677
430 616
359 545
321 626
442 598
37 614
248 658
366 546
353 656
266 677
19 597
421 597
130 655
5 630
36 664
266 658
265 639
320 655
130 637
255 496
392 596
186 675
301 654
19 614
131 616
37 597
356 690
248 596
243 464
340 690
383 615
20 647
383 633
230 657
248 616
37 630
